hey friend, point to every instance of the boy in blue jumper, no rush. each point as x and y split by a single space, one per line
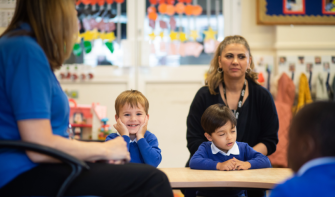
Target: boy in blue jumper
132 117
222 152
311 153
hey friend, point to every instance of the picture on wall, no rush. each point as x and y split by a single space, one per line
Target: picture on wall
328 7
282 60
317 59
309 67
294 7
301 59
326 67
295 12
292 67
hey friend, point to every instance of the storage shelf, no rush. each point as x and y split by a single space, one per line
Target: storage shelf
82 125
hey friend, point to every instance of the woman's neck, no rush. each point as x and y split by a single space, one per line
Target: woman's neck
234 85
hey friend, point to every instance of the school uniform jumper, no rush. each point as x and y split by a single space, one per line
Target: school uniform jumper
144 150
314 178
208 156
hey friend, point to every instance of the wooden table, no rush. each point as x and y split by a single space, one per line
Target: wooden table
259 179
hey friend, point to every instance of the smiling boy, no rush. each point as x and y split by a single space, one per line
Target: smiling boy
222 152
132 118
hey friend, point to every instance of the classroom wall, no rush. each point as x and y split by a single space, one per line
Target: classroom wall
285 40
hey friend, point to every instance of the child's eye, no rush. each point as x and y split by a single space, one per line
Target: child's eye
233 131
139 114
229 56
126 115
222 134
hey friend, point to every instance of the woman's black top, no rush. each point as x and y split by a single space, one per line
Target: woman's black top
257 121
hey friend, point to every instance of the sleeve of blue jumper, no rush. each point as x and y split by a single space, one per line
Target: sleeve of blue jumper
256 159
201 161
114 135
150 152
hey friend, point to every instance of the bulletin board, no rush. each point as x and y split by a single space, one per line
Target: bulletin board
296 12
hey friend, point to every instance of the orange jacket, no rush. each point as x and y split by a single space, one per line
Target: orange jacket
284 102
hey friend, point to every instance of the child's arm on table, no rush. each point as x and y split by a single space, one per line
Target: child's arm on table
149 150
201 161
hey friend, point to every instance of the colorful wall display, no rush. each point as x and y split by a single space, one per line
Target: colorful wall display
182 37
92 28
296 12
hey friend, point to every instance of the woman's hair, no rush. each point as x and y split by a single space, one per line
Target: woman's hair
216 116
214 78
53 23
132 98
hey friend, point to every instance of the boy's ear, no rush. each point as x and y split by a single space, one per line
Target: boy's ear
209 137
309 145
116 117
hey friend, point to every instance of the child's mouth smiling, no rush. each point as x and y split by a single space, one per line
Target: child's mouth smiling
132 125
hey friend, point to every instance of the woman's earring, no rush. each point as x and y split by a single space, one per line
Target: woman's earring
248 70
219 70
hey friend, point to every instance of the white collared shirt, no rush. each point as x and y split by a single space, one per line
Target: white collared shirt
135 140
131 141
315 162
234 150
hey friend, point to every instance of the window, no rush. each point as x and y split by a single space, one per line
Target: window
184 48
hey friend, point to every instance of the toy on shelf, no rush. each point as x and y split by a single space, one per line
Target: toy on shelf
104 130
86 119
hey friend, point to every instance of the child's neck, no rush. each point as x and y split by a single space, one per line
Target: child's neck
132 137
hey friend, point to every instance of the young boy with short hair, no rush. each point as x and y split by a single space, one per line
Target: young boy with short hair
222 152
311 153
132 117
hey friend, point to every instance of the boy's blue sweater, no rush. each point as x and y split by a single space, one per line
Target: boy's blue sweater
317 181
204 159
144 150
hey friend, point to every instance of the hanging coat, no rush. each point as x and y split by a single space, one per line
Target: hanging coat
304 95
284 102
321 87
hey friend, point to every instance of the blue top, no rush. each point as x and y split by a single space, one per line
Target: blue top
28 90
204 159
144 150
317 180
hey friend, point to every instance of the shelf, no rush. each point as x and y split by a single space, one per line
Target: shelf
81 125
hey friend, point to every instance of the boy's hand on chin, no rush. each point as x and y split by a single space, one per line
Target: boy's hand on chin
121 128
241 165
227 165
143 128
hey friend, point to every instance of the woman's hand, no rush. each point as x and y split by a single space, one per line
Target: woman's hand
121 128
39 131
117 150
143 128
